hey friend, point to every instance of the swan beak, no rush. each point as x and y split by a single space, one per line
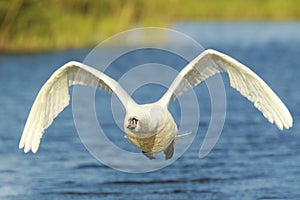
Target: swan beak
132 123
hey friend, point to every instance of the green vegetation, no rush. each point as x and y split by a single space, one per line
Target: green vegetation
36 25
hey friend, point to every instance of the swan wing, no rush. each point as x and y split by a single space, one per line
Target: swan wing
54 96
250 85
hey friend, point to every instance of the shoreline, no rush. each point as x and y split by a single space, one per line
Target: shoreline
89 45
39 26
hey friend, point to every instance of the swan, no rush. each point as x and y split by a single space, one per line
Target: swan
150 127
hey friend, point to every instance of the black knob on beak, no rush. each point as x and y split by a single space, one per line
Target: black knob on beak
132 123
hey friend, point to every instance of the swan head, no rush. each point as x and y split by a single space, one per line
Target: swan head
136 123
145 119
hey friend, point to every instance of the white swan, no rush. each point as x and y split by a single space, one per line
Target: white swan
150 127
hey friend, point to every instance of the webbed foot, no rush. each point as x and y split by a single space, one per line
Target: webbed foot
148 155
169 151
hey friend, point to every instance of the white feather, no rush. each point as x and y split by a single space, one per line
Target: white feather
54 97
241 78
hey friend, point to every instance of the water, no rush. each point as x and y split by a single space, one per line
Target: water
252 159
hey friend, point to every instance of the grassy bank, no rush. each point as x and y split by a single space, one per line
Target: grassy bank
34 25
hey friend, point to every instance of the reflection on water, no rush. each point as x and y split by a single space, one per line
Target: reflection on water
252 160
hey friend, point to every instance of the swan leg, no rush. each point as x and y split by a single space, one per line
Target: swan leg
148 155
169 151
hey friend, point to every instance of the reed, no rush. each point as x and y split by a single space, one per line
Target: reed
34 25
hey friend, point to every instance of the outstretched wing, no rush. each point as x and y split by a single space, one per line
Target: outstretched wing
54 97
241 78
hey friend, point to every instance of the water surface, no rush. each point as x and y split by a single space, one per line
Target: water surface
252 159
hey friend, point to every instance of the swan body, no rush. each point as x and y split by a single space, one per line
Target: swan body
156 128
150 127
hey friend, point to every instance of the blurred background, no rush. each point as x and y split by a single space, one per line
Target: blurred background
33 25
252 159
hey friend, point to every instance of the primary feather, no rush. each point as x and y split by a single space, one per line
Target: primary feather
54 97
241 78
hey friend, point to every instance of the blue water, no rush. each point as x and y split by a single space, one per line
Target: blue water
252 159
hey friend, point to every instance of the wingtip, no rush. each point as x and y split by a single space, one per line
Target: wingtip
289 122
26 150
289 126
21 145
286 126
280 126
34 151
35 148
